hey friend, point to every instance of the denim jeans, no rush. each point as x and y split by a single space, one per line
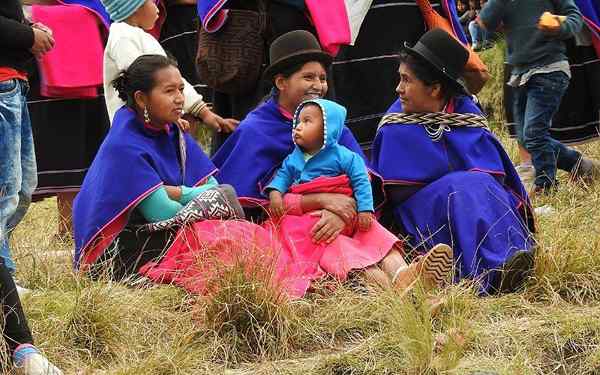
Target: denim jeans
478 34
18 172
534 105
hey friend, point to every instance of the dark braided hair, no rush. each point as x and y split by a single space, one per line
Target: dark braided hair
140 76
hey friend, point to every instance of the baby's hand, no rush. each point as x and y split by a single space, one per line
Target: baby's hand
276 207
365 219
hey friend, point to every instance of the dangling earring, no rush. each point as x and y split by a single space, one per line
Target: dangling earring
146 116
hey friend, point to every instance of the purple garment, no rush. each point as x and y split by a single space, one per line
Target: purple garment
253 153
131 163
466 193
93 5
590 9
212 15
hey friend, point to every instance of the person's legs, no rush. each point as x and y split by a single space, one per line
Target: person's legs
476 35
525 168
16 331
64 202
11 116
544 94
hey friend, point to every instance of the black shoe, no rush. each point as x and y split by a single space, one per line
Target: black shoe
516 271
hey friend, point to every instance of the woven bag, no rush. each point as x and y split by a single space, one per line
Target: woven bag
230 60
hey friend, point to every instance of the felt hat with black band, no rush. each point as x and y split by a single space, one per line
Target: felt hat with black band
444 53
293 48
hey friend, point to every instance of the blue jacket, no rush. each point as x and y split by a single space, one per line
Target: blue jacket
333 159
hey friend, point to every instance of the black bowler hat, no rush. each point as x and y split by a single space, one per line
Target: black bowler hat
444 53
292 48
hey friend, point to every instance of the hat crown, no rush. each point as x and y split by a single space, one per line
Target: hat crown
293 43
450 54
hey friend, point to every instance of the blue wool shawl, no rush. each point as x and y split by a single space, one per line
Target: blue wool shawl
131 163
253 153
406 155
590 9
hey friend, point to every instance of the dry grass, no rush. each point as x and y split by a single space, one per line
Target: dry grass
552 327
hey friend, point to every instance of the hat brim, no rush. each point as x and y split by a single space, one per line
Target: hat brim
457 83
299 57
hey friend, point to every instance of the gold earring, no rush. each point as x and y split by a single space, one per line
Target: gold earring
146 116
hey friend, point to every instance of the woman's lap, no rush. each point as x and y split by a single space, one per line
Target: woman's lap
473 213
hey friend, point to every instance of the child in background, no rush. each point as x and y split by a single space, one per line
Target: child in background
317 126
128 40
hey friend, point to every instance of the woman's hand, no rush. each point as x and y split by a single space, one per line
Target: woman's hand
341 205
218 123
327 228
174 192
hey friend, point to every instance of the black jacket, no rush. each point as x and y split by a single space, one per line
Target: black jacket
16 36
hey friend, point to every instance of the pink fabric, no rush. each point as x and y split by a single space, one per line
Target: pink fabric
73 68
283 252
332 23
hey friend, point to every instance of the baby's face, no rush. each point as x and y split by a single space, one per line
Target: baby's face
308 133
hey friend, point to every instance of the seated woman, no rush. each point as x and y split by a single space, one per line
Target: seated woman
447 178
146 171
249 159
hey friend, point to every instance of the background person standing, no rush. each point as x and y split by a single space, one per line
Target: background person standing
20 41
540 77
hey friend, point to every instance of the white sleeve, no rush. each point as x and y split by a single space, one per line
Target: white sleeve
130 48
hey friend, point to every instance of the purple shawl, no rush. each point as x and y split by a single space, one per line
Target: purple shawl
590 9
131 163
254 152
406 155
212 15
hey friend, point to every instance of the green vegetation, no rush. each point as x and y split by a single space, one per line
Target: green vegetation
552 327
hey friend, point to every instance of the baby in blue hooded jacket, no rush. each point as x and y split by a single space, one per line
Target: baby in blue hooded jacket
317 127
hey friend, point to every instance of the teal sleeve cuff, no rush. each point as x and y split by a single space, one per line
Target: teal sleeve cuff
158 206
189 193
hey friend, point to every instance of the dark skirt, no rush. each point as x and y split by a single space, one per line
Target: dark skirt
67 134
179 37
578 118
365 75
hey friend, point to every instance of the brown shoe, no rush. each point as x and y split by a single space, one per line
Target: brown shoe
433 268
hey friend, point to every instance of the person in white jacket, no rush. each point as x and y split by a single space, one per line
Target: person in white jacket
127 40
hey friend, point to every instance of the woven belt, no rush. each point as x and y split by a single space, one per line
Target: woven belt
435 123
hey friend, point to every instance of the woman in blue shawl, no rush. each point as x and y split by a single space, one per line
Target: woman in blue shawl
253 153
447 178
146 171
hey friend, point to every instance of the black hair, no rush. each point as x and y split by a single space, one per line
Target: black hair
139 76
428 74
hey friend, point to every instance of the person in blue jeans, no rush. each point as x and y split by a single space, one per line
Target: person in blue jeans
19 43
541 75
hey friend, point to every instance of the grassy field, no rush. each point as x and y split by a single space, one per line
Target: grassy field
552 327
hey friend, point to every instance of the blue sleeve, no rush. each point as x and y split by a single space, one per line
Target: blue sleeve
189 193
158 206
356 171
283 178
492 14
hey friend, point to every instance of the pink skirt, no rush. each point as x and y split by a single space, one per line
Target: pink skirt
282 252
